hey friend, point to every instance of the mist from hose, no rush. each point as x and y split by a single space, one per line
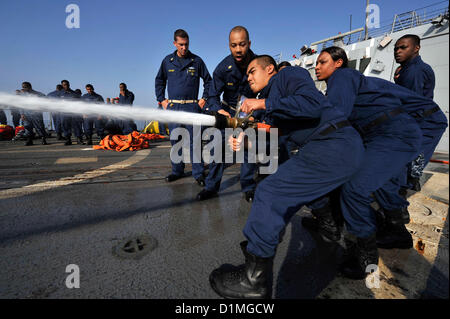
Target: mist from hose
57 105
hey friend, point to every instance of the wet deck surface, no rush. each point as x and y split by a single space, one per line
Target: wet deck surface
64 205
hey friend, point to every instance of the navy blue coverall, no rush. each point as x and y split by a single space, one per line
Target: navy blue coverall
391 139
88 123
57 117
127 125
331 153
430 118
419 77
33 119
182 76
71 121
230 80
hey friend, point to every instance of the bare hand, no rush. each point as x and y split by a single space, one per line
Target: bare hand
201 103
165 103
223 112
236 143
252 105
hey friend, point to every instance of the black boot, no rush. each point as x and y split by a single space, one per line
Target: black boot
394 234
44 141
359 254
205 194
251 280
89 139
324 223
172 177
80 141
59 137
68 141
201 180
29 141
249 195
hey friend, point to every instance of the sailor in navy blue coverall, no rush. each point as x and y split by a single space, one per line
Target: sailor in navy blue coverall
71 121
88 121
331 152
32 119
180 72
56 116
126 97
416 75
230 78
391 138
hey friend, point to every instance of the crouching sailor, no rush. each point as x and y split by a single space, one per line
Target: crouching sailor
294 105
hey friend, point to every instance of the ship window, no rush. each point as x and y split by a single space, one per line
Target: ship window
352 64
363 64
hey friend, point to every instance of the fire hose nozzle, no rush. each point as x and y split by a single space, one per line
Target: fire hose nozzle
223 122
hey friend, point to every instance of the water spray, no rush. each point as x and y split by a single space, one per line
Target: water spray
63 106
56 105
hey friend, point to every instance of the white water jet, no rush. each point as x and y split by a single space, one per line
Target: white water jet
58 105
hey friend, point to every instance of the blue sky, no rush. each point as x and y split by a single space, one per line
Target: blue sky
125 41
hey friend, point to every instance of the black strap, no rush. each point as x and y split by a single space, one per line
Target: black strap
383 118
430 111
333 128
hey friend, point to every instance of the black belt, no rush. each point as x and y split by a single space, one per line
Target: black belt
430 111
381 119
333 128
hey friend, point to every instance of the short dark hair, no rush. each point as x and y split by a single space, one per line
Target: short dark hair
413 37
336 54
123 85
65 81
90 86
265 60
240 28
78 91
284 63
26 84
181 34
59 87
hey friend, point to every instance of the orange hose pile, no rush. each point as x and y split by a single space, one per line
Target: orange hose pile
131 142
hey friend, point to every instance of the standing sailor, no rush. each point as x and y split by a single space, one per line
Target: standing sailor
56 116
70 121
181 72
126 97
230 78
416 75
33 119
88 121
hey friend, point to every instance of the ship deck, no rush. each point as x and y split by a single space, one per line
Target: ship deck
63 205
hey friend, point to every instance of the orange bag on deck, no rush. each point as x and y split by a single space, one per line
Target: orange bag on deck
132 142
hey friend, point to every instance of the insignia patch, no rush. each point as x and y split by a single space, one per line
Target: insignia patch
230 83
191 70
171 70
229 67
